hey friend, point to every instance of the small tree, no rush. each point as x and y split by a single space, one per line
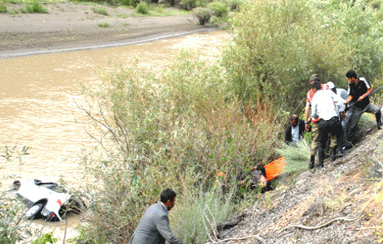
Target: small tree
203 15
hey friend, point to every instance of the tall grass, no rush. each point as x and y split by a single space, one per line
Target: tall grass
296 156
198 212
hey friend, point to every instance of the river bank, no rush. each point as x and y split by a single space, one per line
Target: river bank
74 26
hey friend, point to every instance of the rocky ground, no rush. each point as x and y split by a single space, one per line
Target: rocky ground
340 203
77 26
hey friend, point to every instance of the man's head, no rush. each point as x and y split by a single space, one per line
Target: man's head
316 86
168 197
331 86
293 120
314 77
351 76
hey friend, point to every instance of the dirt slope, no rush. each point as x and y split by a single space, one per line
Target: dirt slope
341 203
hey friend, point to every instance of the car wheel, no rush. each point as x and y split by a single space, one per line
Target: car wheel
34 212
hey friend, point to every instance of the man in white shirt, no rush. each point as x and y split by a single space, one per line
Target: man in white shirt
325 107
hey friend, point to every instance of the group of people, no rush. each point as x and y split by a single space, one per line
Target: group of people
332 114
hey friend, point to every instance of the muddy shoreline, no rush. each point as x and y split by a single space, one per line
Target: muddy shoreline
70 26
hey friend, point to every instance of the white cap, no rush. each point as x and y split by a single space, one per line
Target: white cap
330 85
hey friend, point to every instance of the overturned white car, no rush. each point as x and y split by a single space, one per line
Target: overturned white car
47 200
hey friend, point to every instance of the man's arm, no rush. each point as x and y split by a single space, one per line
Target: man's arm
164 229
307 116
348 99
365 94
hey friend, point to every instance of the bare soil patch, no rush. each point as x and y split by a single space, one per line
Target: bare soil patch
69 25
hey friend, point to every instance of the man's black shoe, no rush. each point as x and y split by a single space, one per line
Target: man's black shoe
312 162
320 166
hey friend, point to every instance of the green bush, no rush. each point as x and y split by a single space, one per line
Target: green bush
13 227
234 5
189 4
103 25
179 130
198 211
35 7
297 156
218 9
3 8
46 238
203 15
142 8
100 10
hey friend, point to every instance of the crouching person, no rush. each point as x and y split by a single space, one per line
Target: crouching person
324 112
154 225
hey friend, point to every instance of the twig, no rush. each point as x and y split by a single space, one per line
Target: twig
243 238
66 227
368 228
215 240
319 226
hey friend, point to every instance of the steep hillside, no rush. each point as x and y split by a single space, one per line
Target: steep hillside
341 203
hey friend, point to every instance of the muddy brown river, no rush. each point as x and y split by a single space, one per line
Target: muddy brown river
39 97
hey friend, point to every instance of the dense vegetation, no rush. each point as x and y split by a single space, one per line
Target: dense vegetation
195 127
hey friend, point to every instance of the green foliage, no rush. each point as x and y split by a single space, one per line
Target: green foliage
35 7
189 4
103 25
203 15
277 46
142 8
192 219
234 5
360 28
46 238
218 9
3 8
178 130
297 156
100 10
13 229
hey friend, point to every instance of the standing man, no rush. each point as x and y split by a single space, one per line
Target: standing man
343 94
358 89
324 114
294 131
314 135
154 224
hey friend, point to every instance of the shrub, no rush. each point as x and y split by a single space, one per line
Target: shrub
198 211
12 225
203 15
46 238
3 8
180 130
35 7
103 25
297 156
100 10
218 9
142 8
189 4
234 5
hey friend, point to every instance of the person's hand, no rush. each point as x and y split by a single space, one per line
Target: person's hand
262 181
307 127
360 98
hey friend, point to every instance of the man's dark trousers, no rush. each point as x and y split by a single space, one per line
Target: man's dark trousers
332 127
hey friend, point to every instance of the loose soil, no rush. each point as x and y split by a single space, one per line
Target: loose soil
69 25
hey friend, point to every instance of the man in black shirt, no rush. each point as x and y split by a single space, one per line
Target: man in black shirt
358 89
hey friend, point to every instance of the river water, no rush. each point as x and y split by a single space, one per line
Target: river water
39 104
